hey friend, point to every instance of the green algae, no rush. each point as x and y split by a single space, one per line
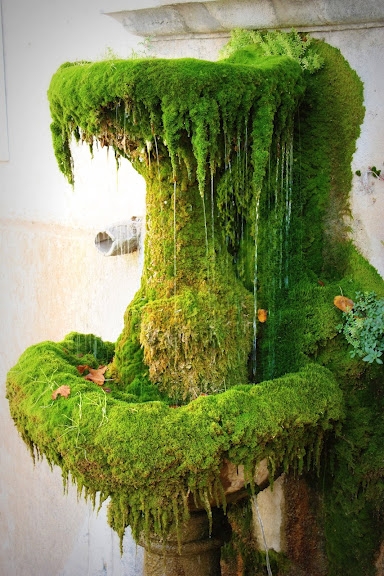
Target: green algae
241 160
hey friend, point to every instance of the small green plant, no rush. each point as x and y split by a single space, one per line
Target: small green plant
110 54
368 177
363 327
144 51
293 44
375 172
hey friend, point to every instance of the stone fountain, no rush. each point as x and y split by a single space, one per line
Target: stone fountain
246 188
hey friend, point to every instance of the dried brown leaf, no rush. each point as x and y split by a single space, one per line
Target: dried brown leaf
343 303
61 391
96 375
82 368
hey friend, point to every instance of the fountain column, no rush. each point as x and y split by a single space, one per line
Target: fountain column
197 553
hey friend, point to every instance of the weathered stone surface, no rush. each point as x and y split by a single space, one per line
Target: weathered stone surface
197 553
233 477
173 18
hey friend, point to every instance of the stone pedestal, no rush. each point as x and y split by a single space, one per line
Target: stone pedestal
198 554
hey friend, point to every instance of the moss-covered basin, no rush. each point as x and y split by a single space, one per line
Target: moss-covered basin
149 457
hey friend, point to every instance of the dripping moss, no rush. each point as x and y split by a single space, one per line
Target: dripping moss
150 458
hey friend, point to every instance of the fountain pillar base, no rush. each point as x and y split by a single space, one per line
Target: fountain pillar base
197 555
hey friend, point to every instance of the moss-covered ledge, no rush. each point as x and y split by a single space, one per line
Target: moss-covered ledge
150 457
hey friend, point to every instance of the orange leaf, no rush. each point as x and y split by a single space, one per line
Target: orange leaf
82 368
96 375
262 315
61 391
343 303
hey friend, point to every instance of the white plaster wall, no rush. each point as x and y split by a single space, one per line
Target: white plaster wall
38 37
52 278
54 281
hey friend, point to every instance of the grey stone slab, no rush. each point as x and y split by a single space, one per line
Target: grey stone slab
215 16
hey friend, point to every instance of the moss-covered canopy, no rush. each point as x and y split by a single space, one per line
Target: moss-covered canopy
191 111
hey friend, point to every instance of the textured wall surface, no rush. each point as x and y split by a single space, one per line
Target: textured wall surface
54 281
173 17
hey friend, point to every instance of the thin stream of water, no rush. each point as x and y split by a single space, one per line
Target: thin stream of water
282 216
206 236
255 280
288 208
256 508
174 240
212 216
157 157
159 180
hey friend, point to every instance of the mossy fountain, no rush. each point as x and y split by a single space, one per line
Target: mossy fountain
231 354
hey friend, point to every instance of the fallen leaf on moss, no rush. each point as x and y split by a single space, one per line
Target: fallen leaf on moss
82 368
96 375
262 315
61 391
343 303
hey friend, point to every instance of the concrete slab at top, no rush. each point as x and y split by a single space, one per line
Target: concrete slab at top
176 18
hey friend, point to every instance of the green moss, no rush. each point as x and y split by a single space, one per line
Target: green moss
247 194
148 456
334 101
183 123
299 47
